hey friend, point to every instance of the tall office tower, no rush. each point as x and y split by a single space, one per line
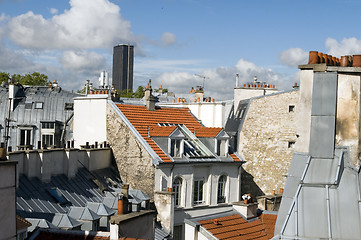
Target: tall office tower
123 58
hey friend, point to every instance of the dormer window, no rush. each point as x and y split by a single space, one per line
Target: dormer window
175 147
176 144
221 147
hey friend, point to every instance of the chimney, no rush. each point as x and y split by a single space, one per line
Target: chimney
149 98
237 79
247 208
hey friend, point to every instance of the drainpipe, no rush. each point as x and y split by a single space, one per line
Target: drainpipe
62 140
328 212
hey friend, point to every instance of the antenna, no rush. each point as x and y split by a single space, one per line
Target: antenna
201 76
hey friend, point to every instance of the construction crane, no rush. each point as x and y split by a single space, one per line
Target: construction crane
201 76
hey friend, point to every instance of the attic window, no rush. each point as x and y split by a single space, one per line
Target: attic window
57 195
291 108
175 147
39 105
291 144
69 106
28 105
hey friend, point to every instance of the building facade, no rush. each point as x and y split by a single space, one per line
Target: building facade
186 168
123 58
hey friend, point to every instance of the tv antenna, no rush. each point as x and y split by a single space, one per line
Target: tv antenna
202 76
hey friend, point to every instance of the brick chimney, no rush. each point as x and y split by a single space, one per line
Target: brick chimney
149 98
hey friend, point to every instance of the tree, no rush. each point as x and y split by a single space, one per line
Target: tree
34 79
4 77
139 93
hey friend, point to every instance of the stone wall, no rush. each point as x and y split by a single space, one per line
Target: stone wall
134 162
266 142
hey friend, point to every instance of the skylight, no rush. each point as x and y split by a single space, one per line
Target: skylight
57 195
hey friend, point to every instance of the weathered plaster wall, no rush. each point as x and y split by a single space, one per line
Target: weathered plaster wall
266 142
348 115
134 162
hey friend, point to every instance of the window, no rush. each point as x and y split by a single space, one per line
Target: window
221 147
177 188
291 108
25 137
28 105
47 125
39 105
47 140
221 196
198 192
291 144
69 106
175 147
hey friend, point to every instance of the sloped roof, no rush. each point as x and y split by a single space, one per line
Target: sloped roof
83 213
64 221
21 223
157 131
235 227
207 132
162 122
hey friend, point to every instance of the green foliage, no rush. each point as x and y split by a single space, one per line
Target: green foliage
4 77
34 79
127 93
164 90
139 93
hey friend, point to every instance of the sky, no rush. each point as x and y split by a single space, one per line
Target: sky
176 41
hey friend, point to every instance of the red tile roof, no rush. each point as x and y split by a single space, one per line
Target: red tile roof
156 131
146 123
207 132
21 223
236 228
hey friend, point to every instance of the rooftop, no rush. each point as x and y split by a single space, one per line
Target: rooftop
163 122
235 227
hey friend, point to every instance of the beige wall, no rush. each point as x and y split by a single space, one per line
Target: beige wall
264 142
348 115
134 162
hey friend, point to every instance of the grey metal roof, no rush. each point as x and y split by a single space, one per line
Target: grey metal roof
41 223
83 213
34 200
100 209
53 109
64 221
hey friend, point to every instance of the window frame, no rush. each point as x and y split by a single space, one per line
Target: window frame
221 189
198 191
177 189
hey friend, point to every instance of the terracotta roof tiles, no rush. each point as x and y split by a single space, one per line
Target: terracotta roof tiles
147 124
236 228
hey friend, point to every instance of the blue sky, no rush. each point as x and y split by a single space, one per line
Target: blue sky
72 41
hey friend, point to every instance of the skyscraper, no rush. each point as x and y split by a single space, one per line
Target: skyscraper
123 58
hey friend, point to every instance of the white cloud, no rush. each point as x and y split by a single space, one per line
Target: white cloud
347 46
82 61
168 39
88 24
293 57
219 82
53 10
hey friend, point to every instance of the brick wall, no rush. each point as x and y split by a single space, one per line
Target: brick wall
266 142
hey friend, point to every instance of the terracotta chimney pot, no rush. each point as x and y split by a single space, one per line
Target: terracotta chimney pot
313 57
356 61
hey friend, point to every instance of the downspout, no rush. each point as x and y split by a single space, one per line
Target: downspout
62 140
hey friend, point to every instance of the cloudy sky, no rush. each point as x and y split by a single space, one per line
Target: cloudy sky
174 40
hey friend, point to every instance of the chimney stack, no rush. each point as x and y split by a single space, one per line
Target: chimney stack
149 98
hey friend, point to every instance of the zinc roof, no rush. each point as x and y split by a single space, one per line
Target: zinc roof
235 227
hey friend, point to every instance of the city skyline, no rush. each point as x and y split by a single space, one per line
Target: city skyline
174 40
